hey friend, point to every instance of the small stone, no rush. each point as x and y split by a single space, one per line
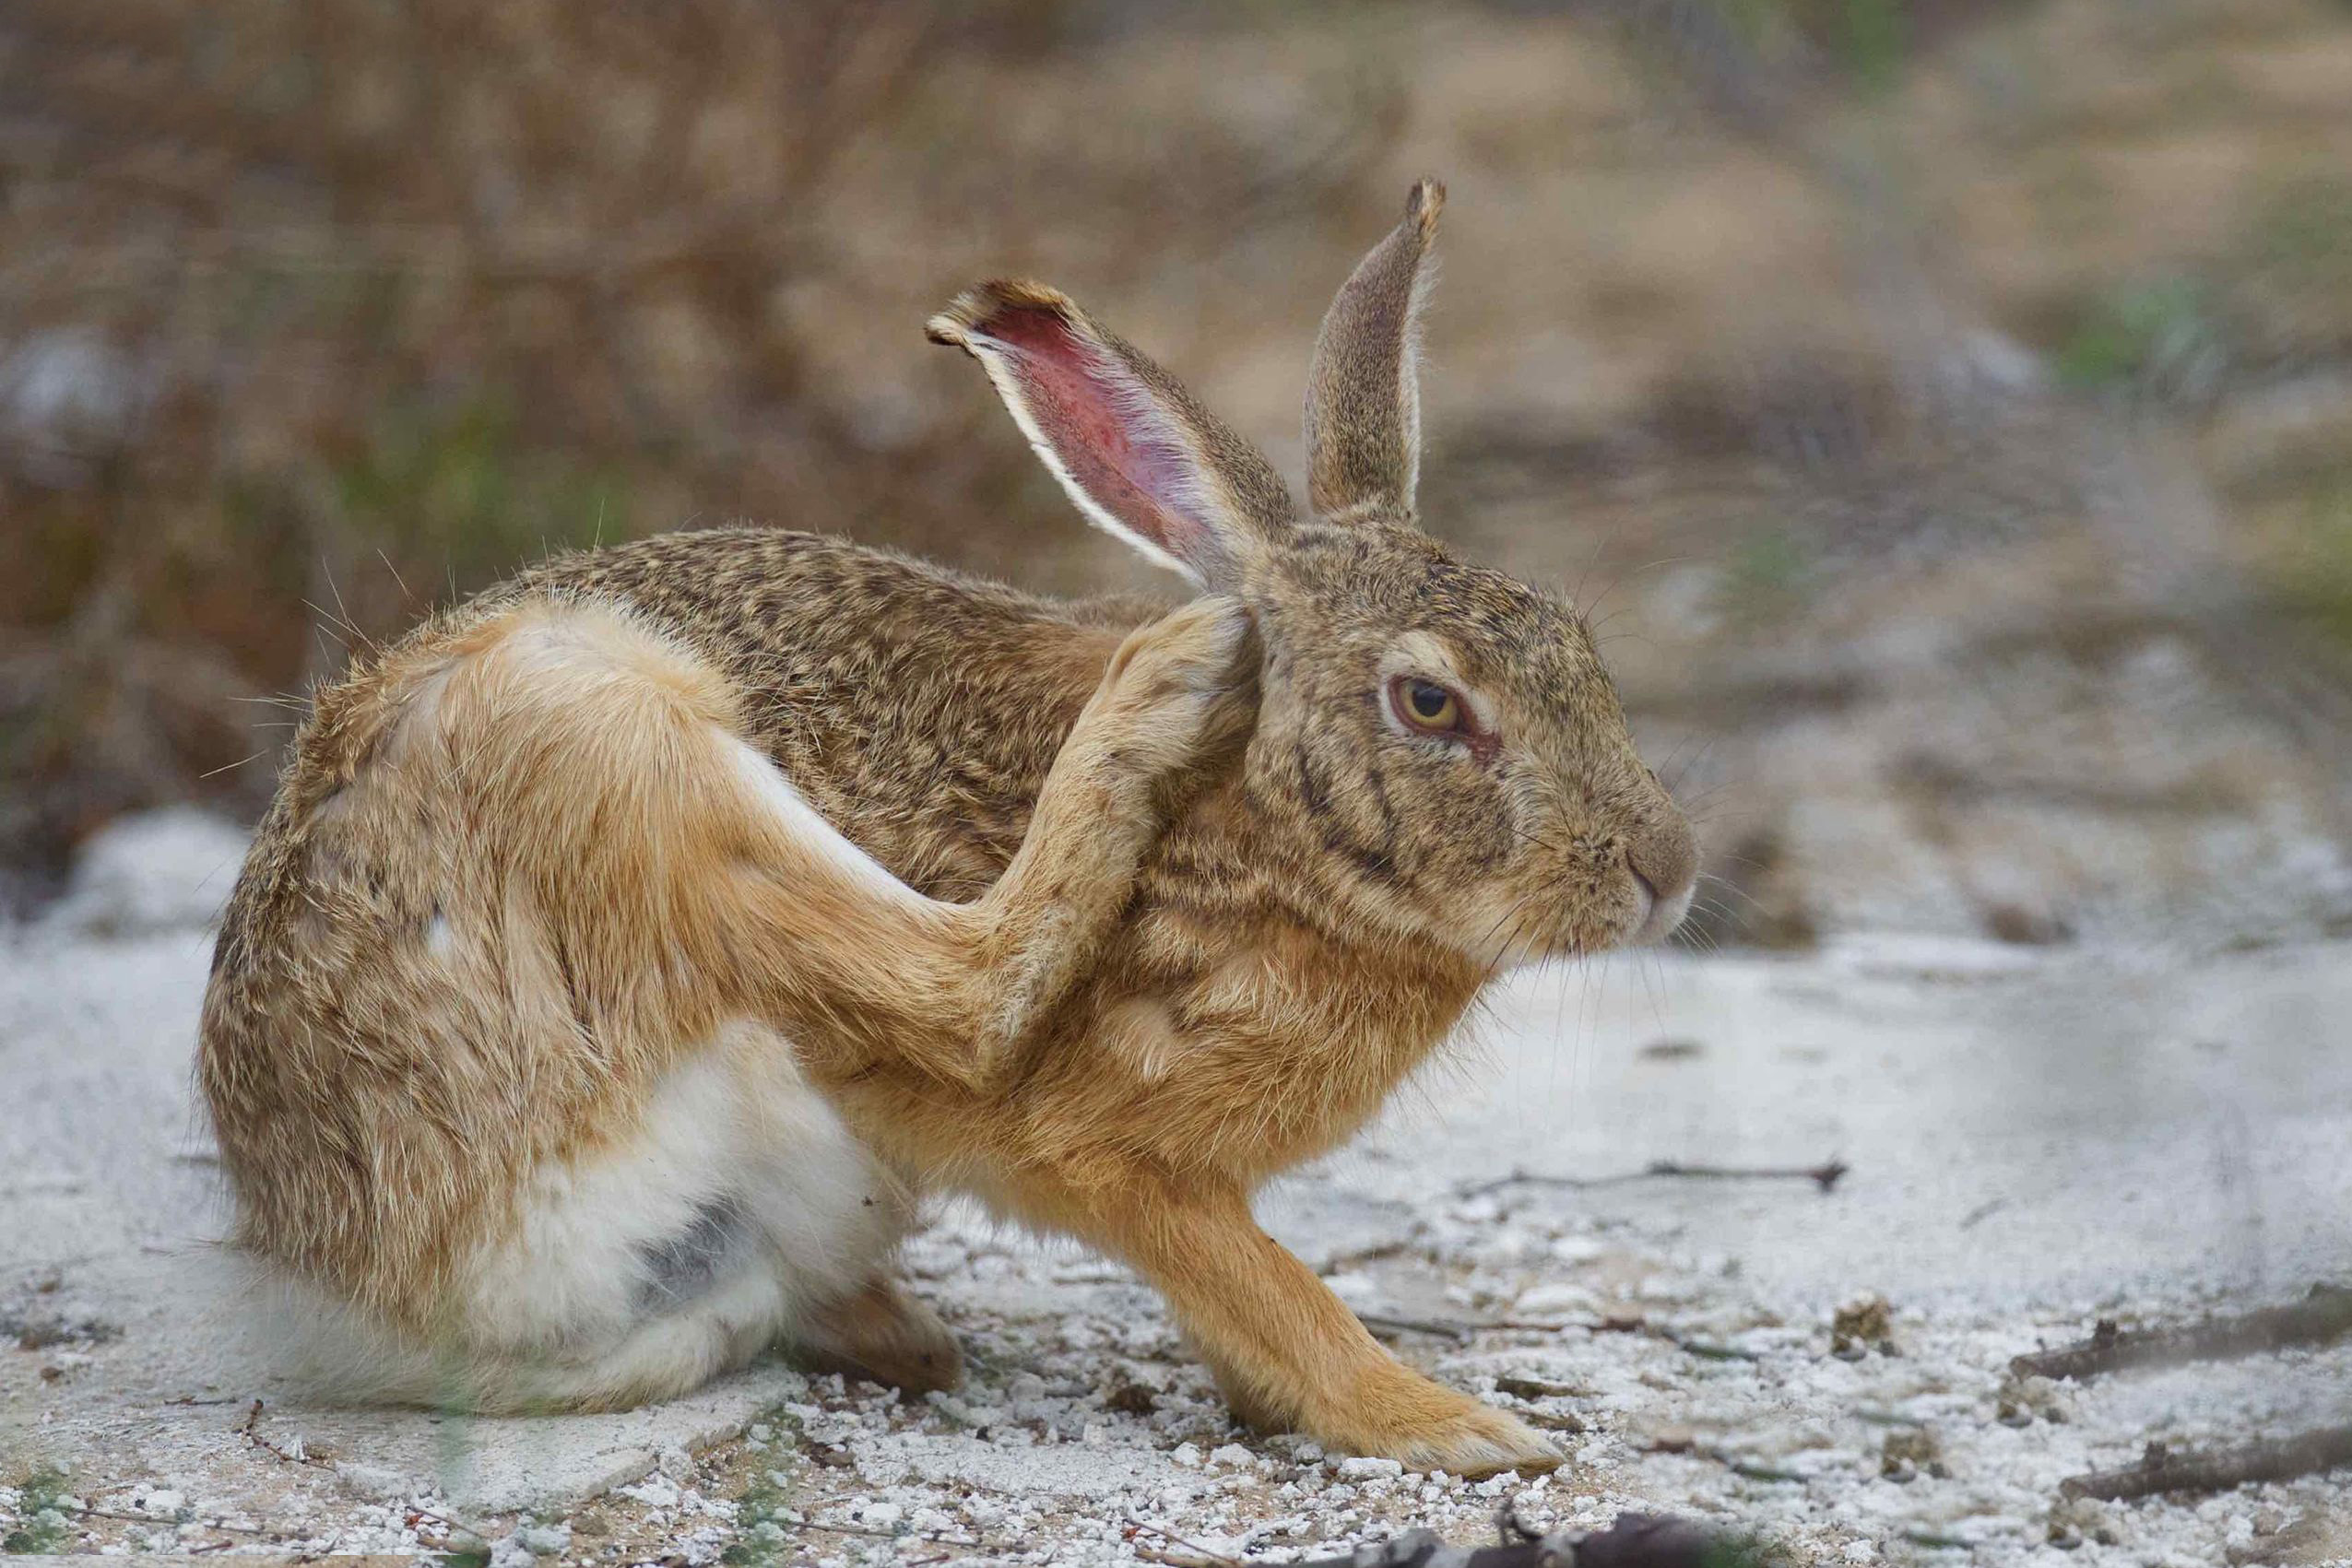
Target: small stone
1905 1453
1360 1468
1186 1454
1558 1300
1132 1396
1233 1454
1861 1325
761 1433
544 1540
372 1483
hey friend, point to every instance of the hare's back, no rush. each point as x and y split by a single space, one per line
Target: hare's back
916 708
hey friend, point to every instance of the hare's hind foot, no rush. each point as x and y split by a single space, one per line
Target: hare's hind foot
883 1334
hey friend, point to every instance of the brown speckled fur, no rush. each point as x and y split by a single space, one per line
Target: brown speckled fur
1306 919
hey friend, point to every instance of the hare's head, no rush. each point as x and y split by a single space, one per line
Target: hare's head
1440 740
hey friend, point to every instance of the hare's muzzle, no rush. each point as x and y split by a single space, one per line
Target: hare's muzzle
1663 858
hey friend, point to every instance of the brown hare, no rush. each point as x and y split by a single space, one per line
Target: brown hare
628 951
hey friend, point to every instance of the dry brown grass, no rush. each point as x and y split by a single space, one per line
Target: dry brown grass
313 315
316 313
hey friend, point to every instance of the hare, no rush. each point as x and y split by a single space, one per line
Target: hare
628 951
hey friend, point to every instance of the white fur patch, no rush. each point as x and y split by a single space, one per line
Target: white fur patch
561 1306
807 828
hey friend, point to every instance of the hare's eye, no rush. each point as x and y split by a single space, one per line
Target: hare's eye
1425 705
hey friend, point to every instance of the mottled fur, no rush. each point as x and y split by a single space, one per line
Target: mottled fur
925 884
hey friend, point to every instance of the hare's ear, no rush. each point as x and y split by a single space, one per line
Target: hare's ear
1135 452
1363 390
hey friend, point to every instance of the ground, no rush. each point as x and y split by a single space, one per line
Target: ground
2038 1136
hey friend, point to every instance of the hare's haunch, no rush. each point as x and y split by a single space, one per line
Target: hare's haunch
628 951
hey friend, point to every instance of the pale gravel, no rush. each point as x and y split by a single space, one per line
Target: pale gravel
2037 1137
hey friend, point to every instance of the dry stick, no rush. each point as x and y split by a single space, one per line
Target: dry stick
2326 1314
1462 1331
247 1429
1197 1555
86 1512
870 1533
2220 1469
1824 1175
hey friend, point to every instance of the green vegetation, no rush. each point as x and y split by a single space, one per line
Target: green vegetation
1865 39
761 1516
41 1513
1765 578
2297 267
763 1512
2312 578
461 483
2158 338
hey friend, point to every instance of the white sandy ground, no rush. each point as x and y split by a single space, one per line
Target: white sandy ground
2037 1137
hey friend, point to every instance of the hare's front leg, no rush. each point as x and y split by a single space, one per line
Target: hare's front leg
1177 690
1287 1352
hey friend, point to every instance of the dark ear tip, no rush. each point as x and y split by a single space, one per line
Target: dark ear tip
1426 200
976 311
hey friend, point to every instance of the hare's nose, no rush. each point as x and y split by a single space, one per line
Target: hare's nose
1664 858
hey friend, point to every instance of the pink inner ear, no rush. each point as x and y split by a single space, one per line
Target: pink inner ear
1100 421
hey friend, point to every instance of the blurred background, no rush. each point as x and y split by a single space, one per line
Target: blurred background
1943 407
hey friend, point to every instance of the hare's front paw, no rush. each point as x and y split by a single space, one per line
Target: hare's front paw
1430 1428
1184 685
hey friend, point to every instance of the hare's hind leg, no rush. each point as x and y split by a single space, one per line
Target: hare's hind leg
681 937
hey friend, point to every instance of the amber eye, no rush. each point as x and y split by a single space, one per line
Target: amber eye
1425 704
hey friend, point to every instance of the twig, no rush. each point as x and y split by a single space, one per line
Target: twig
1460 1332
1753 1470
2160 1469
2326 1314
86 1512
1533 1387
1706 1350
246 1429
1826 1175
1200 1556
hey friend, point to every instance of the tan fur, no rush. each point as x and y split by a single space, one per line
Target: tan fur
1120 956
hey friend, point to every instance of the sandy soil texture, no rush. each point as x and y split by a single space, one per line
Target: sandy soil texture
2037 1137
